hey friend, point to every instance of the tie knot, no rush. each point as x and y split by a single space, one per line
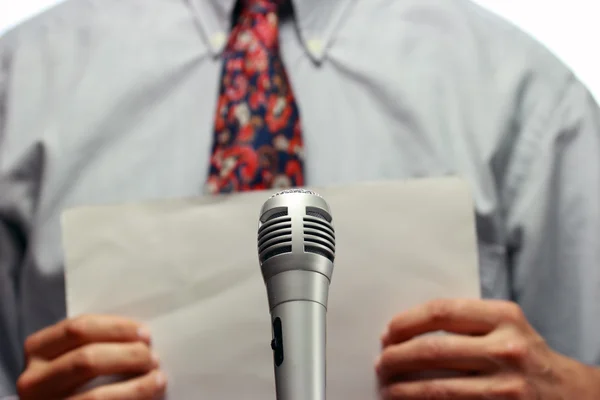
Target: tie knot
258 23
261 7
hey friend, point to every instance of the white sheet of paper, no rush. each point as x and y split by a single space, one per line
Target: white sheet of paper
189 269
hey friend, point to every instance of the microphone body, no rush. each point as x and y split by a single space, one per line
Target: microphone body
296 245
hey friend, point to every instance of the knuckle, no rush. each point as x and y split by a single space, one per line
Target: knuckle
513 351
84 362
387 360
512 312
439 310
30 344
139 352
76 328
121 327
431 348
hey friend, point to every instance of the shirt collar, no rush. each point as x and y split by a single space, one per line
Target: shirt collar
318 21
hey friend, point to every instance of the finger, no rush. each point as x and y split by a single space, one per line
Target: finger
463 388
72 370
463 316
147 387
72 333
440 352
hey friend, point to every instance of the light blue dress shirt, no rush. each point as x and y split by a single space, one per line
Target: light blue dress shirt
108 101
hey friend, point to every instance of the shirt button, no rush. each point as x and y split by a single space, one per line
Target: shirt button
218 39
315 46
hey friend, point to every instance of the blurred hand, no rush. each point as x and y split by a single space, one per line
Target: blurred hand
61 359
492 352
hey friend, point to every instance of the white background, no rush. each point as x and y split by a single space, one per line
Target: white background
567 27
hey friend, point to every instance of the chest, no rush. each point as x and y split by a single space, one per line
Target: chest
131 123
151 135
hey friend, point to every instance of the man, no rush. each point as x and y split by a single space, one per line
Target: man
127 100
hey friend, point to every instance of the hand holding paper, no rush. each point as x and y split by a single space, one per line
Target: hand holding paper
64 357
492 353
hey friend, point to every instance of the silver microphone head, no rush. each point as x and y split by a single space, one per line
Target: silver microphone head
295 232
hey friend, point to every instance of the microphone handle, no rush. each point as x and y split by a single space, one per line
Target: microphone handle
299 343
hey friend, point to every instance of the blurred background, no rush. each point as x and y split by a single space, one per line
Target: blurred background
567 27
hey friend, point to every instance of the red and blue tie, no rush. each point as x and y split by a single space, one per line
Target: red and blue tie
257 135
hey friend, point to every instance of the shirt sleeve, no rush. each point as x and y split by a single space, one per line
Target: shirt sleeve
553 221
14 218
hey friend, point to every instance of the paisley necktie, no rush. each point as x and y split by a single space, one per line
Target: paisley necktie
257 134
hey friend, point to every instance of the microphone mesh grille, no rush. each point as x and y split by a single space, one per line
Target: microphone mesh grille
301 191
316 214
277 215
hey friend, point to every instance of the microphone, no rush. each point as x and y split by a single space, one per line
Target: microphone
296 251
